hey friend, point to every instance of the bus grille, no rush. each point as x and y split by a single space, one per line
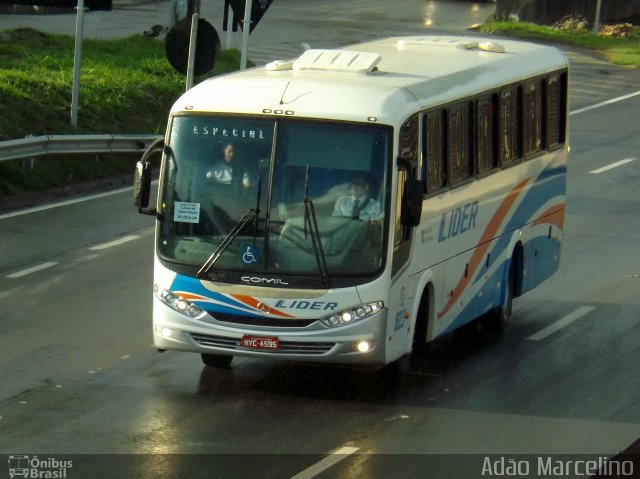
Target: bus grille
268 321
286 347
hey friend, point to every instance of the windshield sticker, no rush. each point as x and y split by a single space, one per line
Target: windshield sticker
186 212
250 254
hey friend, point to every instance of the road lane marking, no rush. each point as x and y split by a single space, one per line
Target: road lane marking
613 165
110 244
33 269
561 323
326 463
64 203
73 201
604 103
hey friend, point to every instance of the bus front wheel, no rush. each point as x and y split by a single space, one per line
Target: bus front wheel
217 360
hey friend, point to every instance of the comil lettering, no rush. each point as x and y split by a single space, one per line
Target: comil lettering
231 133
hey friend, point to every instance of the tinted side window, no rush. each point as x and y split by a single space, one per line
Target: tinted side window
510 126
459 134
555 112
486 108
433 151
533 134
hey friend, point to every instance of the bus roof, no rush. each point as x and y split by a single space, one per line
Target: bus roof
379 81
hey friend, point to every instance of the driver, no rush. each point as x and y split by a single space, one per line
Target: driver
359 204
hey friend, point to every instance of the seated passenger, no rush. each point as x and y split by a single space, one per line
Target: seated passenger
223 170
359 204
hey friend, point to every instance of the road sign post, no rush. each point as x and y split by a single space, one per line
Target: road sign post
77 60
246 29
193 39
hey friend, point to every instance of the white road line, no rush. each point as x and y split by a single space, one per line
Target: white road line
326 463
613 165
64 203
604 103
119 241
33 269
80 199
561 323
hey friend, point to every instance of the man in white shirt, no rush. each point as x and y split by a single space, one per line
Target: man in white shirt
359 205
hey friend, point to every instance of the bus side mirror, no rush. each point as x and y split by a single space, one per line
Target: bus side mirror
142 178
142 185
412 203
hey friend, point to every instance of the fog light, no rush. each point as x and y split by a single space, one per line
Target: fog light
165 332
363 346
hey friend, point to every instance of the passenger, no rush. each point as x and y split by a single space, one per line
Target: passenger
359 204
223 170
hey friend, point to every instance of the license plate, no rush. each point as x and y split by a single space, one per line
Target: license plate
260 342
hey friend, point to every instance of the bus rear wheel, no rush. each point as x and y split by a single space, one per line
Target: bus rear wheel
217 360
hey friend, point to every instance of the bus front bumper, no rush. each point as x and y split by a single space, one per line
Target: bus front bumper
359 343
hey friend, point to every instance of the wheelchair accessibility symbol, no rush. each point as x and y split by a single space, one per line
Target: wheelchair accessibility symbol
250 254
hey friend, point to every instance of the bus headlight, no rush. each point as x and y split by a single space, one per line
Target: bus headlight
352 315
178 304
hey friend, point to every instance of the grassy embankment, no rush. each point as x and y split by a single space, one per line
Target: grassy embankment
624 51
126 86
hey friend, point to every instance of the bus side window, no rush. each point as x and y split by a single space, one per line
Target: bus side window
434 171
555 114
459 136
486 138
510 126
532 116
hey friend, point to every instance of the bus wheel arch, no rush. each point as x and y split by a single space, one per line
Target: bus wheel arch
500 316
421 325
517 262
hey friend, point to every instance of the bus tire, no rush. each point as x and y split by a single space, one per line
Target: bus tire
217 360
499 317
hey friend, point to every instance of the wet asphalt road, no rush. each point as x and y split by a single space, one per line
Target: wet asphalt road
80 378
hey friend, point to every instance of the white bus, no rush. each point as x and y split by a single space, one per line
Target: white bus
456 149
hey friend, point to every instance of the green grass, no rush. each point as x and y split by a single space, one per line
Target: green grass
623 51
126 86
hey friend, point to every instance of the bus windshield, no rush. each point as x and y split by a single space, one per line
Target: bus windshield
317 193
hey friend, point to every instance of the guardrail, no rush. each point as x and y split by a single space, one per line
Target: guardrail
34 146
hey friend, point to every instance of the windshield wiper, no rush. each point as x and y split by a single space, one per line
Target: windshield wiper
247 217
316 240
